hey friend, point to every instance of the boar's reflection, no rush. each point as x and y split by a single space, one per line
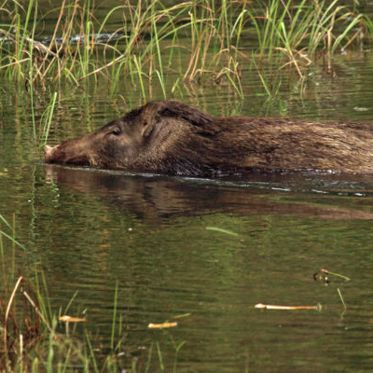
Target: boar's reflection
155 198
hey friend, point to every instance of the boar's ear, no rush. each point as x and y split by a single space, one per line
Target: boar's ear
153 112
179 110
144 117
148 127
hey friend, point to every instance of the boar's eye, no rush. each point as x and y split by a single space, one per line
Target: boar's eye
116 131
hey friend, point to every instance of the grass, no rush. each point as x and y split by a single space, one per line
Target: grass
35 337
149 39
46 119
302 30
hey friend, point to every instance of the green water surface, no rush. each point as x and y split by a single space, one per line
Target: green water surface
208 250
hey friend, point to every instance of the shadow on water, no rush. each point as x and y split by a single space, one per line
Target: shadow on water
157 198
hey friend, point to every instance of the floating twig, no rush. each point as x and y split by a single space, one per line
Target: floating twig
182 315
70 319
66 318
287 308
222 230
163 325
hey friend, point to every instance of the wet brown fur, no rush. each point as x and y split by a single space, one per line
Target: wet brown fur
170 137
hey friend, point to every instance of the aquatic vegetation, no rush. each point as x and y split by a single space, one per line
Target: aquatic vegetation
32 339
149 38
37 337
46 119
300 30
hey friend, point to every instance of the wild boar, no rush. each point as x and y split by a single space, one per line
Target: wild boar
169 137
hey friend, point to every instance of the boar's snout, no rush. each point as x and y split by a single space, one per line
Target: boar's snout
76 152
49 152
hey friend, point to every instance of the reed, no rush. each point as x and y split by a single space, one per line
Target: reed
46 120
10 233
31 341
142 48
301 30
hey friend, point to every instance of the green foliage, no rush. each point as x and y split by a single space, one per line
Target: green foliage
300 30
149 34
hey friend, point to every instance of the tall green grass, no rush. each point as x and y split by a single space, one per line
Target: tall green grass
199 41
302 29
46 120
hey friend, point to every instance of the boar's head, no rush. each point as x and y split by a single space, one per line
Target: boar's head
142 140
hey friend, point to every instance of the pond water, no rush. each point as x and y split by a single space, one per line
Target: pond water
202 252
